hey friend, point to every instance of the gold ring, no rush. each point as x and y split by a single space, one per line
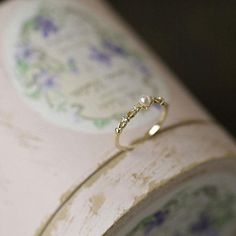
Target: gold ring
144 103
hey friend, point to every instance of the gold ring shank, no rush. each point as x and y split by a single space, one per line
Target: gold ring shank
132 113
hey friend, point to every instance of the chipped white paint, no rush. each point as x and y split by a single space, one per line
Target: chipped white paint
46 169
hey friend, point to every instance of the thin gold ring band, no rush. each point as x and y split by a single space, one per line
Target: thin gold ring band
144 103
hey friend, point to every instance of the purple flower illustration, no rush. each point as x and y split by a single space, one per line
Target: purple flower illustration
49 82
46 80
24 51
100 56
203 226
157 220
114 48
45 25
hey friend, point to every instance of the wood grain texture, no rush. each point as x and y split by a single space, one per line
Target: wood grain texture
76 183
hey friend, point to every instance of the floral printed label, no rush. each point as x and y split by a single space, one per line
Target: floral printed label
74 70
205 210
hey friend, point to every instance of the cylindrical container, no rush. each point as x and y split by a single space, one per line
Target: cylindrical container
68 71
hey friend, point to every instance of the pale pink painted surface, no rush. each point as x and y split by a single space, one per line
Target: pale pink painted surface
40 161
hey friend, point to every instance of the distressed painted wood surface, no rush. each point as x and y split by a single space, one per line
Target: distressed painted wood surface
58 181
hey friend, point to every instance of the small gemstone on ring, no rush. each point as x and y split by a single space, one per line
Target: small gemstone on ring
145 101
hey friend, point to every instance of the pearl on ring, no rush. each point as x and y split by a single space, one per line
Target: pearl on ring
145 101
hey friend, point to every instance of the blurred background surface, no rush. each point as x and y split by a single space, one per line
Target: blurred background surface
197 40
